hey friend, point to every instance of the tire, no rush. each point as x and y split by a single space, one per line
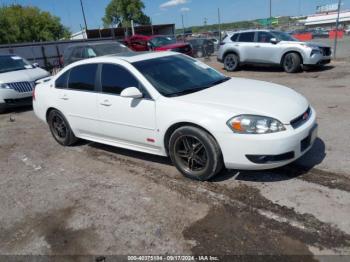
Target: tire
231 62
291 63
199 54
60 128
195 153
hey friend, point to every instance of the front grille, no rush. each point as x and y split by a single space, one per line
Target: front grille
22 87
300 120
326 51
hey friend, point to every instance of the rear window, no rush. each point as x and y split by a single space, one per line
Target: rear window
246 37
83 77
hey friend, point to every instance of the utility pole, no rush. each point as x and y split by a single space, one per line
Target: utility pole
82 10
183 25
219 19
336 30
270 13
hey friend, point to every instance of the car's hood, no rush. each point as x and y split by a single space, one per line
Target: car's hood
243 96
25 75
172 46
310 44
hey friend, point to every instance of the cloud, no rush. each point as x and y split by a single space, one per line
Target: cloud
172 3
185 9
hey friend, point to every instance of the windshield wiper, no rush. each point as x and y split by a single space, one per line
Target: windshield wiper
189 91
186 92
220 81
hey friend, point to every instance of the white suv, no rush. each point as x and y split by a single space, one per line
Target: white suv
17 79
271 47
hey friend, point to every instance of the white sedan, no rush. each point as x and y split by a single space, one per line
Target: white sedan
169 104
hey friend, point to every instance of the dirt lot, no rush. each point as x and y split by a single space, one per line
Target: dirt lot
96 199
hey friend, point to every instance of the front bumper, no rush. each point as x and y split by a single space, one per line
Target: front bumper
317 59
257 152
9 98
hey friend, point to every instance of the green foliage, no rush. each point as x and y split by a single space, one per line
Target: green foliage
123 11
282 22
28 24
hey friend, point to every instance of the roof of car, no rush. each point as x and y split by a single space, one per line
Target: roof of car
251 30
93 43
130 57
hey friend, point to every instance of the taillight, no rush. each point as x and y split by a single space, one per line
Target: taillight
33 93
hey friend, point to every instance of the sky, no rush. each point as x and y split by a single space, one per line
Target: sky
170 11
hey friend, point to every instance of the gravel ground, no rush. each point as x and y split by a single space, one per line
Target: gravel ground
93 199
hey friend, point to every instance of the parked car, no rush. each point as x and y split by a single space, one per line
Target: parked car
169 104
17 79
271 47
88 50
157 43
202 47
320 33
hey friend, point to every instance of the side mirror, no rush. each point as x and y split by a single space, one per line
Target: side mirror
149 45
273 41
35 65
131 92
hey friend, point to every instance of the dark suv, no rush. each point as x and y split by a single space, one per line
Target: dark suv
202 47
88 50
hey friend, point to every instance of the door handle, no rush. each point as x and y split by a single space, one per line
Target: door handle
65 97
257 46
106 103
236 44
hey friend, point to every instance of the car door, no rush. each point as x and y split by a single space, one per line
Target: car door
265 51
246 46
77 100
127 121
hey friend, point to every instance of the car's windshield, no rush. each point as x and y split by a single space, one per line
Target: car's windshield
178 75
161 41
283 36
108 49
13 63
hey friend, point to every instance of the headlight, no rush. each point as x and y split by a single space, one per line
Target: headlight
251 124
316 51
4 86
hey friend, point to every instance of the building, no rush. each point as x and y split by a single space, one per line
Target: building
328 19
120 33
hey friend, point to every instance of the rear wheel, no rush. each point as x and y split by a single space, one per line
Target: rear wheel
291 63
195 153
60 128
199 53
231 62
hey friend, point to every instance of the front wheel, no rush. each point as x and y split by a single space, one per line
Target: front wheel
195 153
231 62
60 128
291 63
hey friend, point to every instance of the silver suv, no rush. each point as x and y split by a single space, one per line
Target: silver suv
271 47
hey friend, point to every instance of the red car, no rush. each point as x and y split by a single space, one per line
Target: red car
157 43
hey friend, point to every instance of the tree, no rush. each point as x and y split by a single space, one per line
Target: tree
28 24
123 11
